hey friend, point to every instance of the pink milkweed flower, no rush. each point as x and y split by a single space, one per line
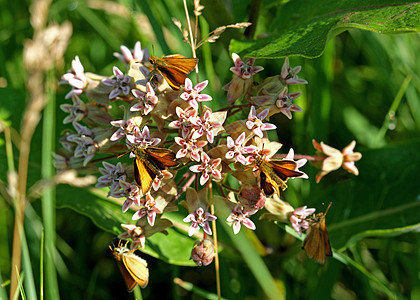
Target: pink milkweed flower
147 102
192 94
349 157
131 192
75 78
285 103
240 216
111 176
207 167
242 77
158 181
255 122
154 78
135 233
141 138
121 83
191 147
197 219
135 55
77 110
298 216
245 70
209 124
187 120
237 149
126 127
334 159
150 208
86 146
289 75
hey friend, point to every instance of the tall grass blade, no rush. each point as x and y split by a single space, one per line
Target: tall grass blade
48 198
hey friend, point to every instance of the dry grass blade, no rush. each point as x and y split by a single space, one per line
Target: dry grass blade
197 8
215 34
183 31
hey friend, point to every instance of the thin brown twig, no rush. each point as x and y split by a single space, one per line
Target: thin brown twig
221 190
230 107
184 188
229 188
184 177
299 156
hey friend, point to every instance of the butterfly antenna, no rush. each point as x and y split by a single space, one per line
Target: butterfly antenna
328 208
122 154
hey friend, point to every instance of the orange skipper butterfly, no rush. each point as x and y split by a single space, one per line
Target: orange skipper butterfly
317 243
274 174
174 68
149 164
133 268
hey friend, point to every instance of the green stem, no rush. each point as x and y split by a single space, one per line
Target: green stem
390 116
253 18
48 197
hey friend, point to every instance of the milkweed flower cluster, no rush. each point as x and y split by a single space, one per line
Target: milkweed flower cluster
135 111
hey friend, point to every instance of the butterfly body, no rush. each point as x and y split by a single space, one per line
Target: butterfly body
133 268
150 163
274 174
174 68
317 243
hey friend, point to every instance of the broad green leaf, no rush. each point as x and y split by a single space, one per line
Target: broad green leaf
174 248
303 28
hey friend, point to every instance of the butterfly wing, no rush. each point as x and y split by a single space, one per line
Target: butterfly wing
285 168
137 268
268 185
162 157
175 68
174 77
128 279
119 253
316 243
181 63
143 175
325 239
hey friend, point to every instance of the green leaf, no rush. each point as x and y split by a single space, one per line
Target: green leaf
174 248
384 233
305 28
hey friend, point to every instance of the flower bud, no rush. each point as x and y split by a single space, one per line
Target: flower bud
271 86
203 252
251 196
279 210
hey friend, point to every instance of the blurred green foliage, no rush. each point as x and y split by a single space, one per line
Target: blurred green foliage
373 222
